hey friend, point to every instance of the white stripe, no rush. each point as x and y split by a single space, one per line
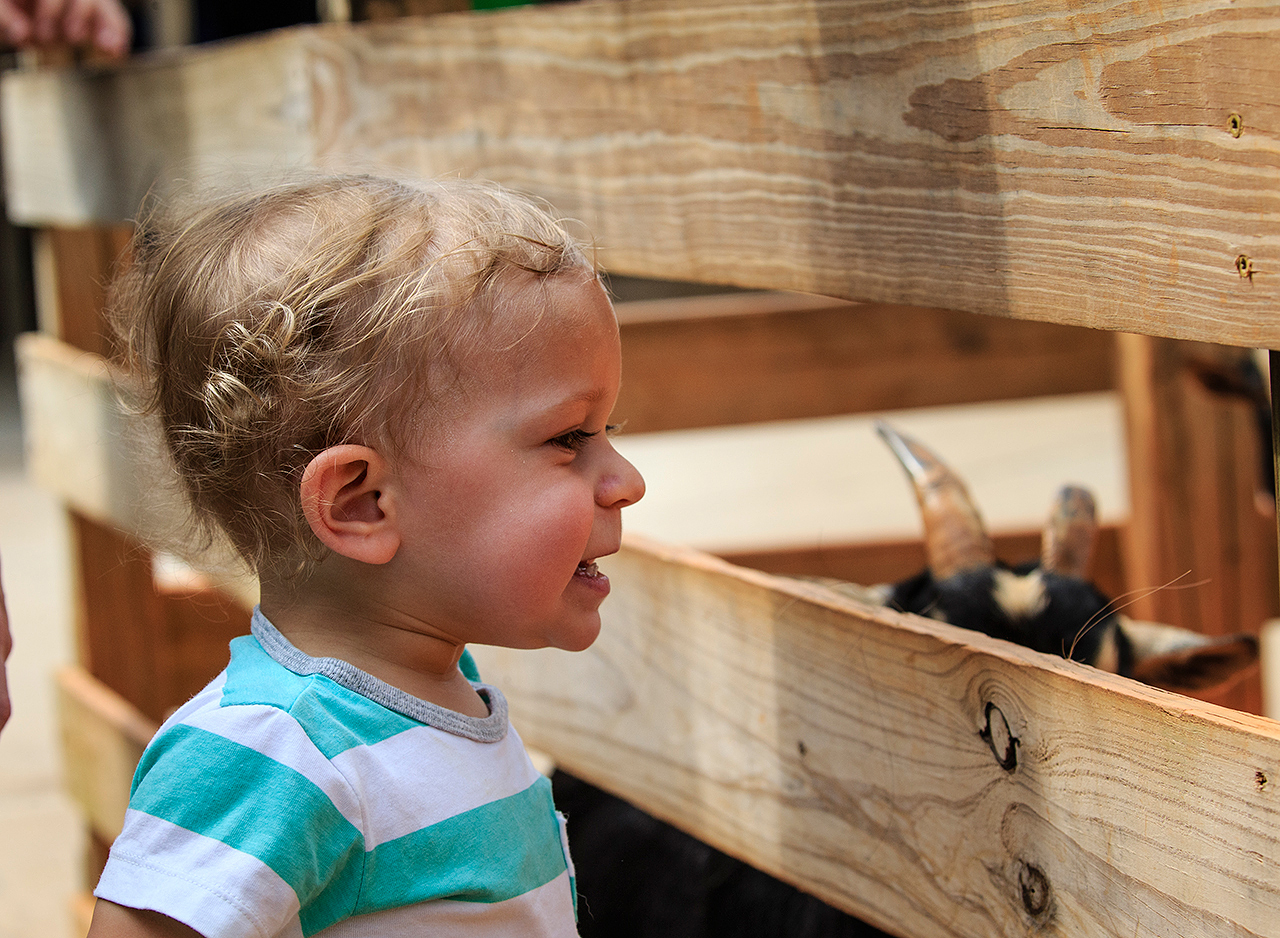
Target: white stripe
143 873
545 912
402 792
277 735
209 696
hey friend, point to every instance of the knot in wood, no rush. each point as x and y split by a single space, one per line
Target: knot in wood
1034 886
997 735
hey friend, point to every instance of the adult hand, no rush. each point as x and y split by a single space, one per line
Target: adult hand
102 24
6 645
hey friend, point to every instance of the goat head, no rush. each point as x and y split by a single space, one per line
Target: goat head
1046 604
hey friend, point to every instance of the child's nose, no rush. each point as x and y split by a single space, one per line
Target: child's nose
621 485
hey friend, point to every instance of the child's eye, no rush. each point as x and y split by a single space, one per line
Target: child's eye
576 439
573 441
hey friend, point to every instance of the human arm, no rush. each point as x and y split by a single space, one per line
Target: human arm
117 921
102 24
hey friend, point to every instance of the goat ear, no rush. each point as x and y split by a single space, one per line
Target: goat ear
1067 545
1180 660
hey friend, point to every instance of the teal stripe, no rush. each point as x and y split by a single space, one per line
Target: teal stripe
335 718
467 665
492 853
263 808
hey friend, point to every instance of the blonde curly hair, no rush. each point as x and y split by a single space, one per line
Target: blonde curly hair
264 327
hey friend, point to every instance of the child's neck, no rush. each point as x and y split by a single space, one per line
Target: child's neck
373 639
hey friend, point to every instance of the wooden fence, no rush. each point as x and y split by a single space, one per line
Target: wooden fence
1106 164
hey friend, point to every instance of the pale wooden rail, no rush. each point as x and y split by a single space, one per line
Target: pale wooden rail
103 738
102 462
842 747
1101 163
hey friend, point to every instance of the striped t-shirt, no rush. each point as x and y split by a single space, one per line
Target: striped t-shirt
298 795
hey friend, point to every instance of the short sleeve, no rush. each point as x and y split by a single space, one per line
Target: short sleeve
238 826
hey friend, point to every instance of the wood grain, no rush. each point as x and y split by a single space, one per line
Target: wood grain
747 358
84 260
1077 165
839 747
1195 458
154 647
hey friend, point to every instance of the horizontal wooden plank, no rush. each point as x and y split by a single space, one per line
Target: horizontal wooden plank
840 748
1106 164
103 736
110 134
890 561
82 446
749 358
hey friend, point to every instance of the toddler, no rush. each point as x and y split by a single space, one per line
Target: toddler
392 399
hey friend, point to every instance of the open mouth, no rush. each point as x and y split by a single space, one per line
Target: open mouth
589 577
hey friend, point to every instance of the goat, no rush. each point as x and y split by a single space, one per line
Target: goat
1049 604
641 878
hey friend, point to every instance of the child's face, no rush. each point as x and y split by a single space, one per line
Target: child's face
517 489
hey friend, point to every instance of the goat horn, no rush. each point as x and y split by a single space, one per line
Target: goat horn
1067 545
955 539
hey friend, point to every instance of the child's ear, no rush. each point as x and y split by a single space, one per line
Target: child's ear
343 501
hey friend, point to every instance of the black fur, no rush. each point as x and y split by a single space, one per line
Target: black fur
640 878
1075 620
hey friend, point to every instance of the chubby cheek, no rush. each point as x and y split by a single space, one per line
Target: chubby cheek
547 541
500 556
534 601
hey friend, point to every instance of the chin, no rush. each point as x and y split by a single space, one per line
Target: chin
578 637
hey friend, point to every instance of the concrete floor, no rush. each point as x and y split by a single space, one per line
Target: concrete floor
41 836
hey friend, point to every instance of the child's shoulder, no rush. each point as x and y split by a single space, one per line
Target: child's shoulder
258 691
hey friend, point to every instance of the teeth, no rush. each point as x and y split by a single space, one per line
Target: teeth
588 569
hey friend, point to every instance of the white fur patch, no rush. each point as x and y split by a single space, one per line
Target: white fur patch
1155 638
1108 658
1021 597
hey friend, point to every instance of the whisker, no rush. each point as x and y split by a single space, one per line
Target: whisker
1138 595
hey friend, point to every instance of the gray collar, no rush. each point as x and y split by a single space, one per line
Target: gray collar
490 729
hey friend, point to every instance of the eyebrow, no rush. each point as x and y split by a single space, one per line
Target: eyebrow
594 396
588 398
